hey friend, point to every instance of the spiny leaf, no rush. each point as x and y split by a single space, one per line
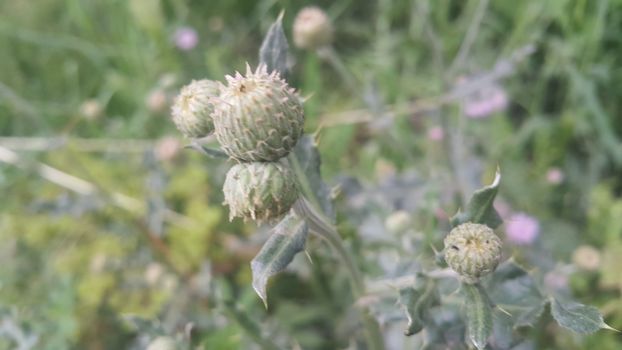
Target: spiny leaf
514 290
287 239
309 162
478 314
274 49
480 208
416 302
577 317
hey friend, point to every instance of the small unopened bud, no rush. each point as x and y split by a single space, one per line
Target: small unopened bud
163 343
193 108
586 258
156 101
473 251
91 109
167 148
259 118
398 222
312 29
259 191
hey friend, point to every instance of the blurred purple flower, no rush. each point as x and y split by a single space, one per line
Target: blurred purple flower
554 176
522 229
486 102
555 281
186 38
436 133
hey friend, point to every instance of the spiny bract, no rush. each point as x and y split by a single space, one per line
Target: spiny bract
194 106
259 117
260 190
473 251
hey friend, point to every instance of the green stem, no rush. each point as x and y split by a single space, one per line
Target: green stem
330 55
319 224
249 325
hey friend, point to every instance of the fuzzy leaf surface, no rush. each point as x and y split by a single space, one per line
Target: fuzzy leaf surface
478 314
309 161
274 48
514 290
287 239
579 318
480 209
416 302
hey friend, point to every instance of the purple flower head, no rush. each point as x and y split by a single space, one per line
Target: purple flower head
486 102
436 133
522 229
186 38
554 176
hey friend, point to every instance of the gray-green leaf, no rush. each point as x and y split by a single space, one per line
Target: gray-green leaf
577 317
480 208
514 290
478 314
307 160
416 302
274 49
287 239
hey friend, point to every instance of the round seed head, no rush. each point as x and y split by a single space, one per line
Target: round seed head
193 108
473 251
259 117
260 191
312 29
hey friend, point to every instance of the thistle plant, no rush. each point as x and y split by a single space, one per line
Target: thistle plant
259 117
258 120
473 251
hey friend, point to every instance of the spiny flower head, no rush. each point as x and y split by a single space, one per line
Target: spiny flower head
472 250
312 28
259 118
260 191
193 108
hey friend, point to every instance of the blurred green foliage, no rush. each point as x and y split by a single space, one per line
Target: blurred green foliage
75 267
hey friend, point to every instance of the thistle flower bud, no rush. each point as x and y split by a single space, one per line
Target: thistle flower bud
312 29
473 251
259 117
193 108
259 191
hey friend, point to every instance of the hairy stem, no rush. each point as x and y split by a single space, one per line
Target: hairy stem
319 224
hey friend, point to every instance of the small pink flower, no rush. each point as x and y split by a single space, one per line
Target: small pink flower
555 280
488 101
167 148
186 38
554 176
436 133
522 229
503 208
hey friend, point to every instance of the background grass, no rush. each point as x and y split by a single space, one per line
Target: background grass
74 266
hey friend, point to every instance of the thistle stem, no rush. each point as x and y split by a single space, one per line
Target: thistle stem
329 54
319 224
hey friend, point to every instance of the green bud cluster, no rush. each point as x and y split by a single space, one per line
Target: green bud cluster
260 190
473 251
257 119
260 118
193 108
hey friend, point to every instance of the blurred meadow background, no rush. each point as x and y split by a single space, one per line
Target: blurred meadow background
112 233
